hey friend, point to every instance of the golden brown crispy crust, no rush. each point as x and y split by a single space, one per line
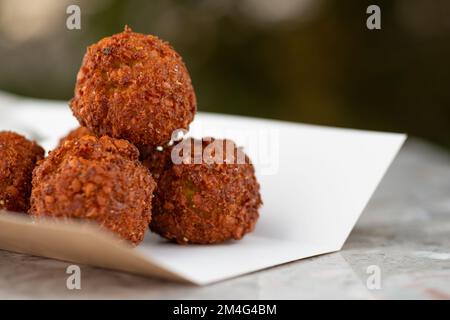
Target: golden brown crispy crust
206 203
76 134
18 157
98 179
135 87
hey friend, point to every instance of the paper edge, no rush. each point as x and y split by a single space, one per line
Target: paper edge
101 236
402 139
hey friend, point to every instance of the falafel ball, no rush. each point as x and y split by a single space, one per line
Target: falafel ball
18 157
98 179
76 134
208 202
135 87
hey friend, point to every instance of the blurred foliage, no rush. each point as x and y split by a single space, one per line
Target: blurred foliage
297 60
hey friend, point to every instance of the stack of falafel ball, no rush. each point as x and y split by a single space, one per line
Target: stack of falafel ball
132 93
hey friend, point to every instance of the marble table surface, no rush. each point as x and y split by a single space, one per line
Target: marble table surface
404 233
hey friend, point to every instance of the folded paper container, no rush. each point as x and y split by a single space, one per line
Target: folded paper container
315 182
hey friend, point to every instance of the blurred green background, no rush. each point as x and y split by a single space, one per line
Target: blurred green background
309 61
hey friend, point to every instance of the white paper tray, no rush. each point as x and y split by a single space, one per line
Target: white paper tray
315 182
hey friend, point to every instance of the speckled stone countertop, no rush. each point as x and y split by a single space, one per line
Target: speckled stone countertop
404 232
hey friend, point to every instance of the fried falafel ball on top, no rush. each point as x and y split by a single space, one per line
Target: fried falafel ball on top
18 157
98 179
208 202
76 134
135 87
